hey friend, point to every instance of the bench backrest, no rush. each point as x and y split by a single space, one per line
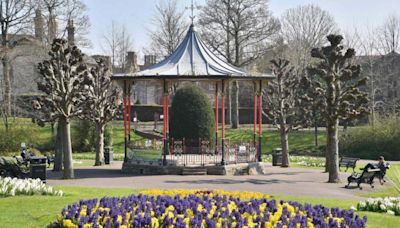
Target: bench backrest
348 161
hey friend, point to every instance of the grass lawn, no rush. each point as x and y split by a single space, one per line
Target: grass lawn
39 211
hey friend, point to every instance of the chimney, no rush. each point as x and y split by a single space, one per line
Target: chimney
149 60
39 25
52 28
131 62
71 32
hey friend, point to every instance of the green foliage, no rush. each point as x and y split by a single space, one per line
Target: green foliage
11 139
191 115
369 142
84 136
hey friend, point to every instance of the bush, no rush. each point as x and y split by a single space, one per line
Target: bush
84 136
11 139
191 115
370 142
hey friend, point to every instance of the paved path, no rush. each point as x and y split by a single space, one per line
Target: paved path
282 181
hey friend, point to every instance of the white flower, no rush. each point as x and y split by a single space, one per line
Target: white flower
383 207
389 212
353 208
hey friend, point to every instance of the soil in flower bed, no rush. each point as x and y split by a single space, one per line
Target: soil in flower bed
203 209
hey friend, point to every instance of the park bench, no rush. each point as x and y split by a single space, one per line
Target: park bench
348 162
367 176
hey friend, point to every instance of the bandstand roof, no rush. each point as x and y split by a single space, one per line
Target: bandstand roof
194 61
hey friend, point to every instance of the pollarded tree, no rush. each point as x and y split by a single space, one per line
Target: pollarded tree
337 82
283 104
102 104
64 80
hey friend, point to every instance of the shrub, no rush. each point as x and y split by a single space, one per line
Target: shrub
191 115
84 136
369 142
11 139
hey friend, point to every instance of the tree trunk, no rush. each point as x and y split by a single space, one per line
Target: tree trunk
68 172
285 146
235 105
332 149
58 155
99 144
316 134
7 85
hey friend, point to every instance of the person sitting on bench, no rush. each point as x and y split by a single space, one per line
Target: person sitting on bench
382 165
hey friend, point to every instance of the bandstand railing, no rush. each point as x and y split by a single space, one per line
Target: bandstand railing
205 154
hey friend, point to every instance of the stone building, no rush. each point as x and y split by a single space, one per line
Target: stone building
383 87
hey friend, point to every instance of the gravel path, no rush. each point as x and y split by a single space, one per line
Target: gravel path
282 181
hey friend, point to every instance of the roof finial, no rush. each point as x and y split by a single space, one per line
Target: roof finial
192 12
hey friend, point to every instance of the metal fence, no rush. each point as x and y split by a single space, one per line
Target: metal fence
180 154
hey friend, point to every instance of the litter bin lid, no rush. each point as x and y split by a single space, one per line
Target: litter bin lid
38 160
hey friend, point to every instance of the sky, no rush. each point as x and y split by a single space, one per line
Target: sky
137 15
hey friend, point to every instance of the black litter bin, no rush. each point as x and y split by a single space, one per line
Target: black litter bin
277 157
108 154
38 168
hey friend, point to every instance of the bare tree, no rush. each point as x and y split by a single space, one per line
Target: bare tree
102 105
239 30
13 18
283 103
304 28
118 42
390 35
337 83
169 28
59 12
125 44
64 81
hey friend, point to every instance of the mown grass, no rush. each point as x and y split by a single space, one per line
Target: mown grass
39 211
299 140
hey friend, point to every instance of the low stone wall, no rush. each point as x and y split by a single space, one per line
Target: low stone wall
255 168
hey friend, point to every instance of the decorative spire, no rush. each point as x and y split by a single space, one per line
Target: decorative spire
192 16
192 9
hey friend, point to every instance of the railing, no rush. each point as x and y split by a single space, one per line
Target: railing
182 155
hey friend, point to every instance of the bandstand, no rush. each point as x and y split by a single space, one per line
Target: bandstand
193 61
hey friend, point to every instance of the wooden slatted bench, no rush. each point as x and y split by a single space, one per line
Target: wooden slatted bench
348 162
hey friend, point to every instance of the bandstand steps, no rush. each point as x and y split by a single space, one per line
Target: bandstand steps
194 171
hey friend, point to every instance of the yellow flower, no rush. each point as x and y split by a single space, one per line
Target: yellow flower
67 223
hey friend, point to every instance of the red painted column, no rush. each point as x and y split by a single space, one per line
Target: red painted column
164 119
129 116
216 118
167 107
260 122
165 114
255 117
223 122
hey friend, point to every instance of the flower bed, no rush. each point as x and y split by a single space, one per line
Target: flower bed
389 205
307 161
13 186
202 209
200 192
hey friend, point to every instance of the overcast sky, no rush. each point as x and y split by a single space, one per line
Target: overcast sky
137 15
